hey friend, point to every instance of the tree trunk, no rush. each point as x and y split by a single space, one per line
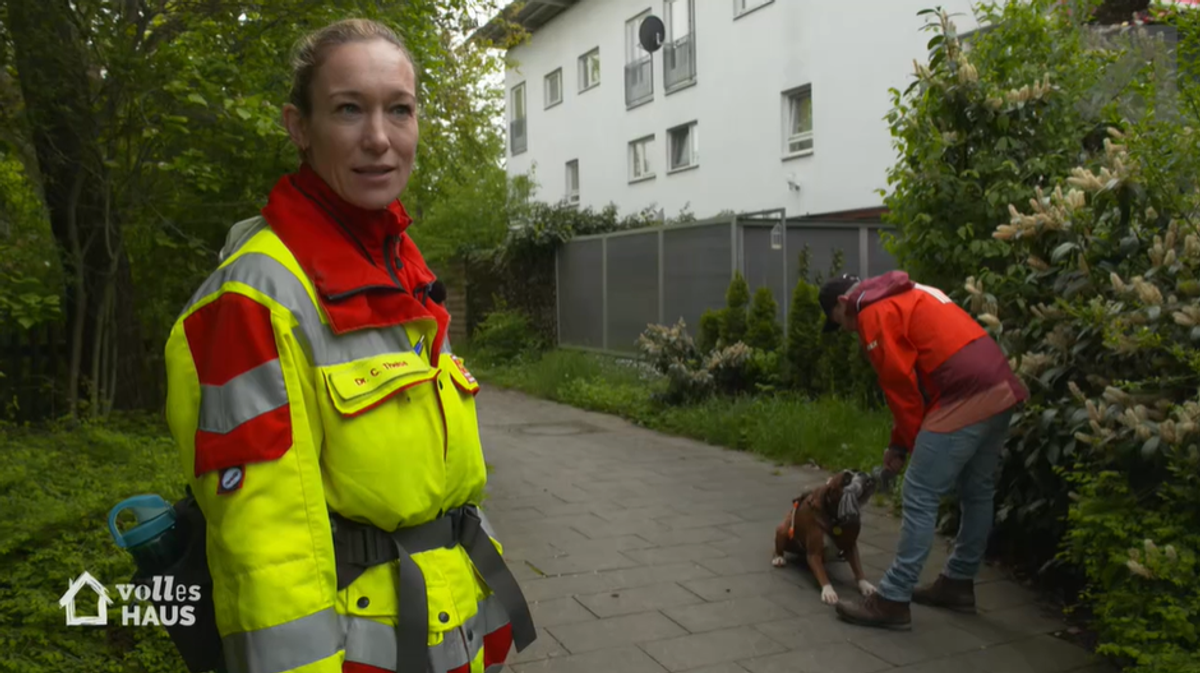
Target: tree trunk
53 72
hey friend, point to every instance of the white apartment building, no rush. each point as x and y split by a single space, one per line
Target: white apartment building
749 105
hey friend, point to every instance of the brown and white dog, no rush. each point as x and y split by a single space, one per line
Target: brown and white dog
824 518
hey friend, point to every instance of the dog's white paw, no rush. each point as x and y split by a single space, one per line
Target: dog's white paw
866 587
828 595
778 561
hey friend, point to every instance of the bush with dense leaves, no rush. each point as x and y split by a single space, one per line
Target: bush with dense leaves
763 331
504 336
709 334
733 316
1089 278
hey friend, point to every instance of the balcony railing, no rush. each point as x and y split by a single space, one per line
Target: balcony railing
679 62
516 135
639 81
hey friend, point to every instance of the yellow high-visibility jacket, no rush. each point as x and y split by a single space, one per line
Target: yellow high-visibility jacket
311 373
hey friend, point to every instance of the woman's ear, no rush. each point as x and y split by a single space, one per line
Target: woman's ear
296 126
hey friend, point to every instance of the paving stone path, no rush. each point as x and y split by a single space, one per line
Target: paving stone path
644 553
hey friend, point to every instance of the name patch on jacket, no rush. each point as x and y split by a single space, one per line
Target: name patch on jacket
462 368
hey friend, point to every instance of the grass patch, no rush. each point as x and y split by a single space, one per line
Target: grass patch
829 432
57 485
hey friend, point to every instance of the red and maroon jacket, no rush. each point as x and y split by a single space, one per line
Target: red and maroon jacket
930 355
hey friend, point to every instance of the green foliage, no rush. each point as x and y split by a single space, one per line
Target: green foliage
763 330
804 332
520 271
980 130
473 214
504 336
29 282
710 331
55 527
1145 594
173 111
1089 282
828 432
671 352
733 317
694 375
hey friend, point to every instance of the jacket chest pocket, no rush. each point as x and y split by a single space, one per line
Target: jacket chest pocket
465 456
384 436
358 387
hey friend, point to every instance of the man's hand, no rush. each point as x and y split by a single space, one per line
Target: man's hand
894 459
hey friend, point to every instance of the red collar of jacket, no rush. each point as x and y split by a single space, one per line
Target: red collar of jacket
367 271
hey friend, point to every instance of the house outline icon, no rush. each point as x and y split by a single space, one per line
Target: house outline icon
68 601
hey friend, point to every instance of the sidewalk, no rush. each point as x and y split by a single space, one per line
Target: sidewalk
643 553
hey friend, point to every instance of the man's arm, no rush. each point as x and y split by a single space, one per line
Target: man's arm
894 359
238 413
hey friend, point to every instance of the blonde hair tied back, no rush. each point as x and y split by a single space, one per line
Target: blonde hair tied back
312 50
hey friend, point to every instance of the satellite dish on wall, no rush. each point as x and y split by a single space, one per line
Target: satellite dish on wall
651 33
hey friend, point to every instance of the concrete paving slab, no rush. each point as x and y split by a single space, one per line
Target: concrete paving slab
645 553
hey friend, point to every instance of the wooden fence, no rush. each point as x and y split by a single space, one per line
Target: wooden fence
33 363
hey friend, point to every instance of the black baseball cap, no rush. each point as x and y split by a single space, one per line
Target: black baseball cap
830 291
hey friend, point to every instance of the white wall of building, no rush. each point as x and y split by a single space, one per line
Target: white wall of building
849 53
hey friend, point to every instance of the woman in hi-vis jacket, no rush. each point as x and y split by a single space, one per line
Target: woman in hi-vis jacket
327 432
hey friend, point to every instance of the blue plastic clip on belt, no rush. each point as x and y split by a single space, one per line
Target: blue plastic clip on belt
359 546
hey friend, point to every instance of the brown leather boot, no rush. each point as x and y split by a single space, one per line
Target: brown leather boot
951 594
875 610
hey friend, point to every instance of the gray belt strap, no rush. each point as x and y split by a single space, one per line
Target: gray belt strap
358 547
499 579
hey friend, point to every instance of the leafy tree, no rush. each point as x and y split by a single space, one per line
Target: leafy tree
151 127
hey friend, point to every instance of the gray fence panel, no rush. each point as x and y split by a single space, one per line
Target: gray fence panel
881 261
697 264
764 266
821 244
697 268
581 294
632 288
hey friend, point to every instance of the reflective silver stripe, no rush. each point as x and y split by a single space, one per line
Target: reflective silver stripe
485 524
369 642
240 233
491 616
265 274
446 344
245 396
285 647
374 643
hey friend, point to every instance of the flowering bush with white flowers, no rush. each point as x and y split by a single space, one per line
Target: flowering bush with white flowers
1082 259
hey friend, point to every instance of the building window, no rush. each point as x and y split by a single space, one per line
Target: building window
589 70
641 152
798 122
516 126
573 181
679 50
639 68
553 88
741 7
683 150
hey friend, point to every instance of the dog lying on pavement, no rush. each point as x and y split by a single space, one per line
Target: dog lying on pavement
827 517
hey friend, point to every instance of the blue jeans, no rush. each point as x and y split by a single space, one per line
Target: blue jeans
968 458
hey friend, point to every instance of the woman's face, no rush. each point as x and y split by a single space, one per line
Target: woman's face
362 135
